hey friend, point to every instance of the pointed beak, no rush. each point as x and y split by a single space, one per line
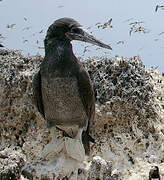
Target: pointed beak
85 37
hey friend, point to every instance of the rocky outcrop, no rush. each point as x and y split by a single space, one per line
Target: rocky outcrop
11 162
128 127
96 169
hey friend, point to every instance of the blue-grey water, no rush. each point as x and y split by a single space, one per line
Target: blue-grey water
23 25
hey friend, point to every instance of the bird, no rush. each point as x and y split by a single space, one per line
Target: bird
63 92
158 6
106 25
10 26
154 173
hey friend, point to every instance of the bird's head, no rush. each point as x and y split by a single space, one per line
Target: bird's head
69 29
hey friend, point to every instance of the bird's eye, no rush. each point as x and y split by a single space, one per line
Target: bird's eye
76 30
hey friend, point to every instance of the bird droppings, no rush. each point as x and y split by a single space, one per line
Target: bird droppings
129 122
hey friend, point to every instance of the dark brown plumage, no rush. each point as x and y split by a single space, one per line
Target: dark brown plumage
62 88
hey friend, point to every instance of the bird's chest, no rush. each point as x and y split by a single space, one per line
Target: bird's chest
60 90
62 102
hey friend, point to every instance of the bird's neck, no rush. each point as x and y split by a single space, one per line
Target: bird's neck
59 55
59 47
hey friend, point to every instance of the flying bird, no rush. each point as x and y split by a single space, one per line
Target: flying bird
63 91
10 26
161 33
106 25
41 31
26 28
159 7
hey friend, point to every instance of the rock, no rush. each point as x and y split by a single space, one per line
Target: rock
3 51
58 167
20 124
129 122
101 169
11 162
64 167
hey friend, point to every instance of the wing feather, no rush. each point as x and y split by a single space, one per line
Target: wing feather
87 96
38 93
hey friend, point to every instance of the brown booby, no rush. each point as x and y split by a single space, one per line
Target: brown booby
62 88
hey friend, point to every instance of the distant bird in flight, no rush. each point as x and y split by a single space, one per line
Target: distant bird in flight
106 25
10 26
62 88
159 7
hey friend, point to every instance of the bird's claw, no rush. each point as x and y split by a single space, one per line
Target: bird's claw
73 147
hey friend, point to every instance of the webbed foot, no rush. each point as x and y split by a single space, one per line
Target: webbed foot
75 149
54 147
